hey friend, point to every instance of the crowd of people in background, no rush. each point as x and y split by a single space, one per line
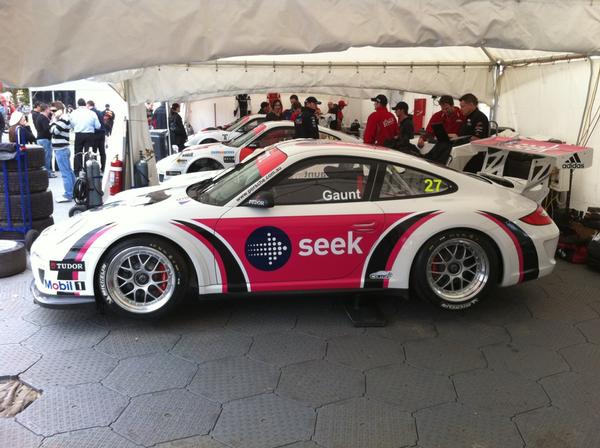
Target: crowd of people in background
50 126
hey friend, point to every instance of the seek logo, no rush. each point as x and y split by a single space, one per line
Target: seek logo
337 246
268 248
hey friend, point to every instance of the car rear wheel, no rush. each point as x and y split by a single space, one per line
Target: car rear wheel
455 269
204 165
146 277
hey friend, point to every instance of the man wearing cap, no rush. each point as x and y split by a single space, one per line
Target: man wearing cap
406 128
381 124
449 116
306 124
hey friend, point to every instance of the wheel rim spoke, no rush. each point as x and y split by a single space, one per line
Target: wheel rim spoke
458 269
140 279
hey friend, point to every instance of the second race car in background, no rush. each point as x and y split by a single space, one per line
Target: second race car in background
235 129
216 156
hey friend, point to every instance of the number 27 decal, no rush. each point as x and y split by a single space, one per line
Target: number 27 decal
432 185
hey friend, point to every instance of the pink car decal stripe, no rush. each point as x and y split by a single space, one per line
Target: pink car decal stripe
382 254
77 252
218 258
234 275
526 251
403 238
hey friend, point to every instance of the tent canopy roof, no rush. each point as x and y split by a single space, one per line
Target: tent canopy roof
68 40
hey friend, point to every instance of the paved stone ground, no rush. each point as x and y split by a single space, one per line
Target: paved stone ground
520 370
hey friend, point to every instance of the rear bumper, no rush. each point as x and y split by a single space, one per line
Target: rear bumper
59 301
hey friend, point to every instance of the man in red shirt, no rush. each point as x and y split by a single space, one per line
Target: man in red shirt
381 124
450 116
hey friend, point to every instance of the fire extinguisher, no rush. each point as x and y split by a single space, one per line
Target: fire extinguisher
115 176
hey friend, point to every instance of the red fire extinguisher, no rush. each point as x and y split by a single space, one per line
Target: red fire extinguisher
115 178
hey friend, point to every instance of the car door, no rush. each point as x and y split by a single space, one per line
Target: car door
319 232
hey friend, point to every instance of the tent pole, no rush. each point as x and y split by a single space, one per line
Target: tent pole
587 101
129 144
498 69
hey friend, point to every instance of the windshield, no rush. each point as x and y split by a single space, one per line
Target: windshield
246 138
238 123
228 185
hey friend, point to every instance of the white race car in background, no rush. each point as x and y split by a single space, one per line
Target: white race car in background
301 215
217 156
235 129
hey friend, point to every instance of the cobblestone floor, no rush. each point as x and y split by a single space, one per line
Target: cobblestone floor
520 370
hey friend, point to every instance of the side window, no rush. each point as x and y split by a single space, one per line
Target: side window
274 136
323 180
326 136
400 181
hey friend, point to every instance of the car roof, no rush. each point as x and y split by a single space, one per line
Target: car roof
287 123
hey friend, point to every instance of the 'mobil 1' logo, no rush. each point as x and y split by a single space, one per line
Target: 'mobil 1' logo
268 248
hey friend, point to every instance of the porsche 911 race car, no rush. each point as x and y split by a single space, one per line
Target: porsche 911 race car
216 156
303 215
235 129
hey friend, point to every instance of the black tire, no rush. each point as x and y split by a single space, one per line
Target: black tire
42 206
125 301
208 140
38 181
421 281
37 224
30 238
13 258
204 165
77 209
36 158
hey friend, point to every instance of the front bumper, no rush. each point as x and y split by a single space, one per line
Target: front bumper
57 301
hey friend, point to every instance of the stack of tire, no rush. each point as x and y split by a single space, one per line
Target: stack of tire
42 205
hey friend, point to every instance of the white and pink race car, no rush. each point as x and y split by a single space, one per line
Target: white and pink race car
302 215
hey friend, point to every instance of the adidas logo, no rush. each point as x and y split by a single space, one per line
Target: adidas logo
573 162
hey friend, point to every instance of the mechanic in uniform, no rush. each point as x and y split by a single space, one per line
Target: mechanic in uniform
382 125
449 116
476 125
306 125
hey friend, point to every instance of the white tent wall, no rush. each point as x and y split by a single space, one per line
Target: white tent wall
547 101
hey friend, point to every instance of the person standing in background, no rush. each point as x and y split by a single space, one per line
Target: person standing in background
42 125
306 125
176 127
99 134
277 113
19 131
382 126
35 113
108 117
60 127
294 102
449 116
84 122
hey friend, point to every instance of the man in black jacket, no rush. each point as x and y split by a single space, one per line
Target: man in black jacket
476 125
176 127
42 126
307 123
99 134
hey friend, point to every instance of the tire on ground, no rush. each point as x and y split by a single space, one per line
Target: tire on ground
36 158
13 258
42 206
420 285
109 292
38 181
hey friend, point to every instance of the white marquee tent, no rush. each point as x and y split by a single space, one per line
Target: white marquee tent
535 60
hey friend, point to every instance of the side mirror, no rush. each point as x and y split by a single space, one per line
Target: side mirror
264 199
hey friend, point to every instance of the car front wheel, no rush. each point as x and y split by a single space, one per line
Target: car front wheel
455 269
146 277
